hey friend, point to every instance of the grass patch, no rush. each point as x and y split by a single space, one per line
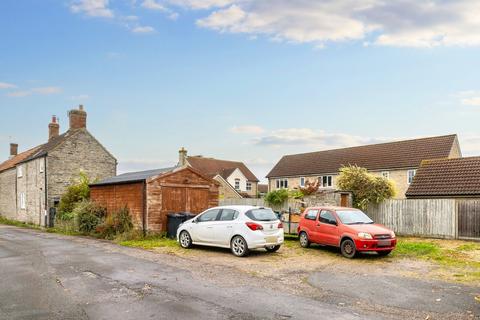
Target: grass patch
469 247
15 223
150 242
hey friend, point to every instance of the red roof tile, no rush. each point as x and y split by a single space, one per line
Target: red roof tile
392 155
10 163
224 168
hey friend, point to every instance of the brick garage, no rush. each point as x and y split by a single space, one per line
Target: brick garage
151 195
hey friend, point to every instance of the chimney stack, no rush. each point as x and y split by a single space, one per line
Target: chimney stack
78 118
53 128
13 150
182 157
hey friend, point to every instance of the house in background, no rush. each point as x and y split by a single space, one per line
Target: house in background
447 178
236 180
397 161
33 181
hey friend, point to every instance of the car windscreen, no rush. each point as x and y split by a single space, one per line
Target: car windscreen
261 215
353 217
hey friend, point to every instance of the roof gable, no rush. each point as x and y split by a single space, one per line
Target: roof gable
224 168
392 155
11 163
447 177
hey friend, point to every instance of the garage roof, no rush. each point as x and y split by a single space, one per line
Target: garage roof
131 177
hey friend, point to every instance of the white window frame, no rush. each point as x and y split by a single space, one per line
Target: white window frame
386 174
237 184
328 185
42 166
410 175
249 186
23 201
302 181
282 183
20 171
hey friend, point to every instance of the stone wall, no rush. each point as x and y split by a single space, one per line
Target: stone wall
32 185
80 152
8 207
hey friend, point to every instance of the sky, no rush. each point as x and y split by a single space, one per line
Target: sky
246 80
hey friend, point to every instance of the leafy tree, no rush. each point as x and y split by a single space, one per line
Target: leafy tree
77 192
365 187
277 197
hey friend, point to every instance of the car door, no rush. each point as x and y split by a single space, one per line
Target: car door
309 223
203 229
223 228
327 229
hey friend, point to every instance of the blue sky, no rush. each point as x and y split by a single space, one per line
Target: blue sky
239 79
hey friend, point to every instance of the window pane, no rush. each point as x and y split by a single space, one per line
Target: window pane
311 214
327 217
228 215
210 215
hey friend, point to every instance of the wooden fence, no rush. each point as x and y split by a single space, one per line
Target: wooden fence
439 218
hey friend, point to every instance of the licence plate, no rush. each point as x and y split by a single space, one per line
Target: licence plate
384 243
271 239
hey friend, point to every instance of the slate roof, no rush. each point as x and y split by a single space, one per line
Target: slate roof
383 156
211 167
43 149
132 177
11 163
447 178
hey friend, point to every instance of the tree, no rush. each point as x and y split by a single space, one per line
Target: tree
365 187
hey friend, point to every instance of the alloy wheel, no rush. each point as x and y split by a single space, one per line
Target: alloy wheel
239 246
185 240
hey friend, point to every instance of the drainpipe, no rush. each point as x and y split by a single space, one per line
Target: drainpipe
45 190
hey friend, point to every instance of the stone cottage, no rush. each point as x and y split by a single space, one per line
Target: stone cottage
33 181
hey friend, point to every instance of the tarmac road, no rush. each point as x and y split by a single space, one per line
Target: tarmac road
48 276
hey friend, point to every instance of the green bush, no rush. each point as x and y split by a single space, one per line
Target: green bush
115 224
77 192
277 197
88 215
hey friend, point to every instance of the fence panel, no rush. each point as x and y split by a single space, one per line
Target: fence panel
469 219
417 217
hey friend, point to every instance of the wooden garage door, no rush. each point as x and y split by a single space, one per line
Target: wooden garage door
178 199
197 200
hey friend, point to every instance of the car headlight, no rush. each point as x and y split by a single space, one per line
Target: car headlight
393 235
365 235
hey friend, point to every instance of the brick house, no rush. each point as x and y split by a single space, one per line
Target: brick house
235 178
397 161
33 181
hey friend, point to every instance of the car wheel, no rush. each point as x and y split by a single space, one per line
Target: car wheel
185 240
384 253
273 248
348 249
239 246
304 242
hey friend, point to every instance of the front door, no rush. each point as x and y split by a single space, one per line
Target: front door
327 229
204 229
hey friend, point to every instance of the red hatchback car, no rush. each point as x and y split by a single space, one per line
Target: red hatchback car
349 229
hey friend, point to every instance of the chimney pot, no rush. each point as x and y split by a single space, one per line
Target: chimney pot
53 128
78 118
182 157
13 149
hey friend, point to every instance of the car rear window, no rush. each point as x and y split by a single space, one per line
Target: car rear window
262 215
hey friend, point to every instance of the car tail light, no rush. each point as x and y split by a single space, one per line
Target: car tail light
254 226
280 225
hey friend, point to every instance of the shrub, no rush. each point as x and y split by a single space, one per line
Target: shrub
88 215
115 224
277 197
310 187
77 192
365 187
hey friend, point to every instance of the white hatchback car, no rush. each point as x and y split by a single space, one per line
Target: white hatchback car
239 228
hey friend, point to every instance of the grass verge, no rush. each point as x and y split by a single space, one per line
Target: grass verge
149 242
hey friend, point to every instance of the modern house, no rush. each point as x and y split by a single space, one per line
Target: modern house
447 178
151 195
236 180
397 161
33 181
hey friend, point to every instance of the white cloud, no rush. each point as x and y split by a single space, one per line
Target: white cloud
403 23
47 90
80 97
143 29
92 8
5 85
318 139
472 101
247 129
470 144
201 4
468 97
153 5
19 94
